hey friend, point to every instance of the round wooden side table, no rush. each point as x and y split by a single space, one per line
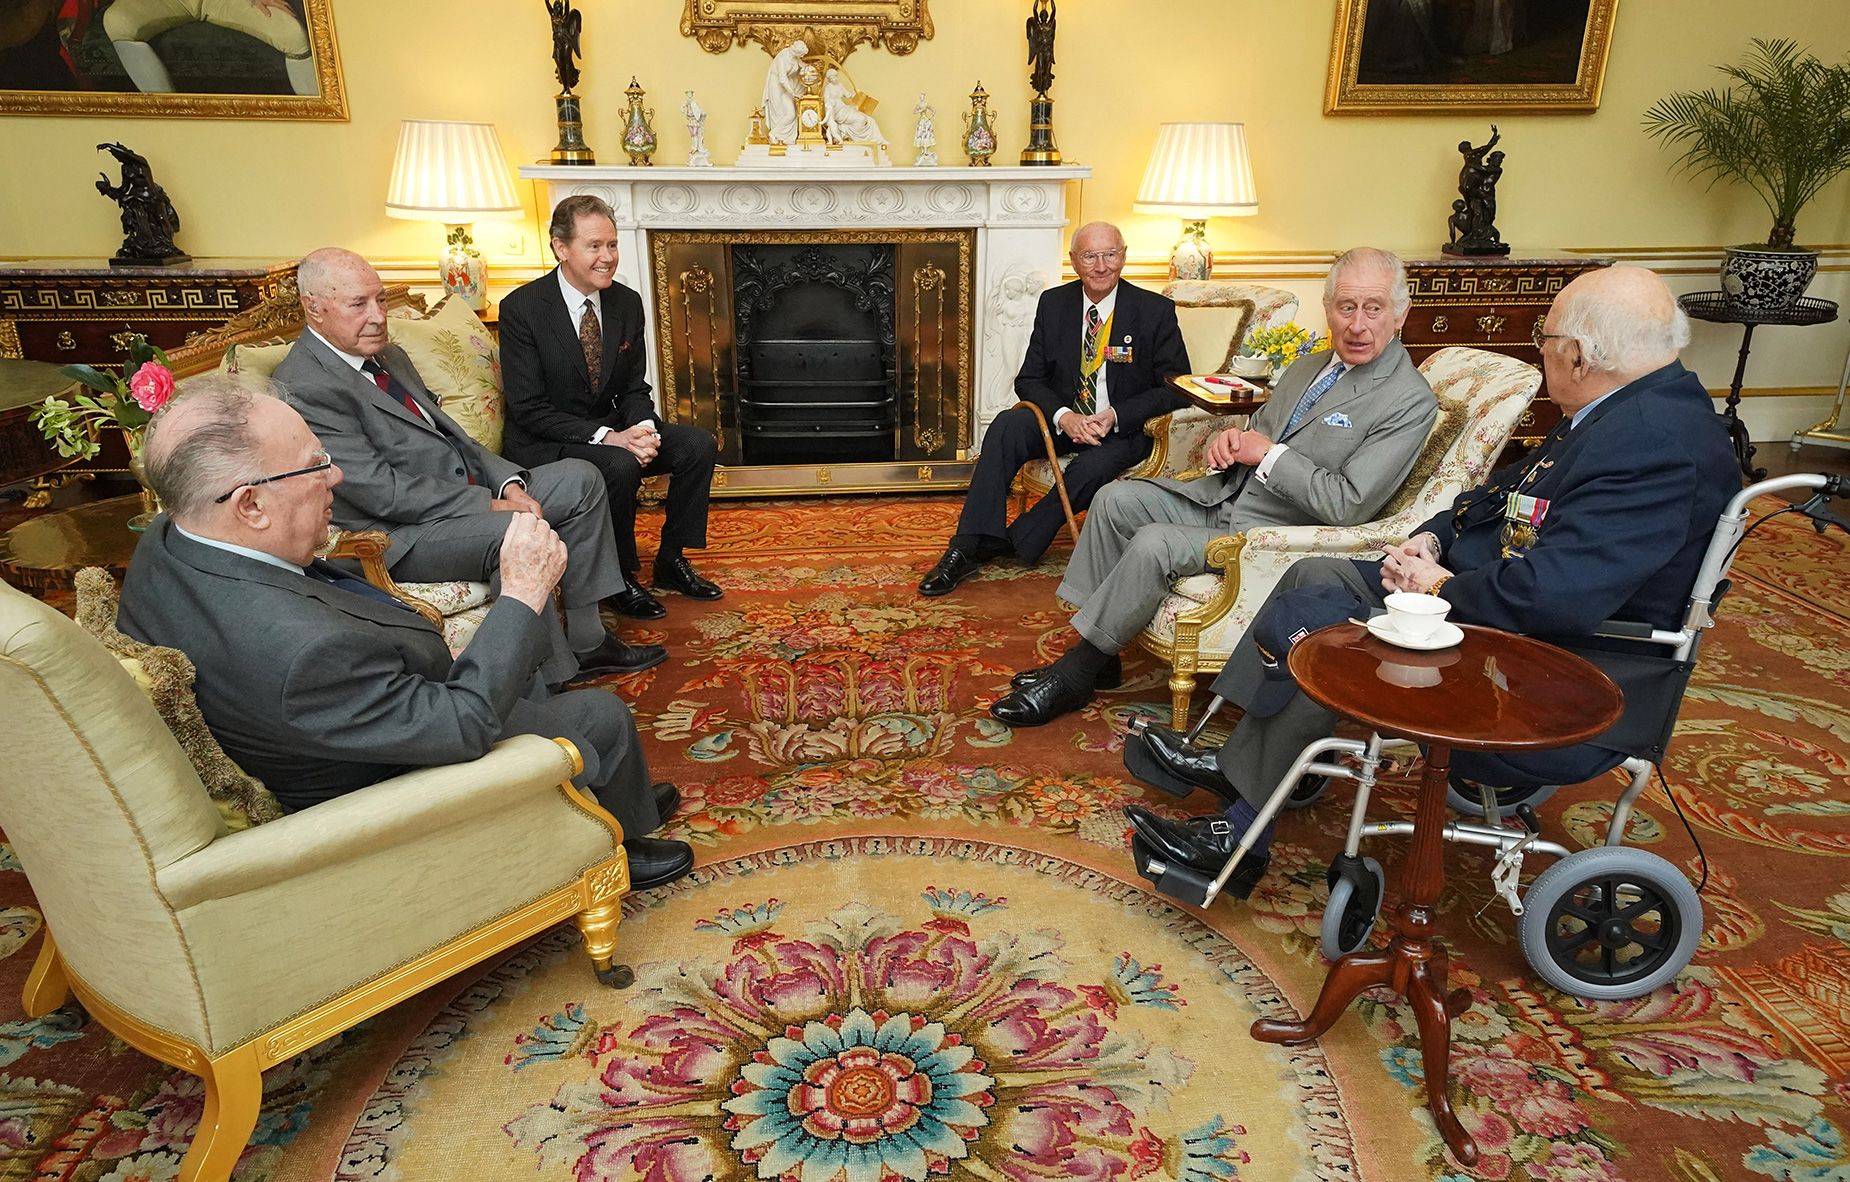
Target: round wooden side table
1493 691
46 552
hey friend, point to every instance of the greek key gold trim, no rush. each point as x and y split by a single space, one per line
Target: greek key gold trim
331 103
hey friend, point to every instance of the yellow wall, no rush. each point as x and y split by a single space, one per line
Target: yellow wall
270 187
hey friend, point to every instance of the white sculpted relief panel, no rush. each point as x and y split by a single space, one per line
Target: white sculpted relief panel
1013 294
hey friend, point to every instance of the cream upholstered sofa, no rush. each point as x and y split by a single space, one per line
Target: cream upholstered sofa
223 953
1482 397
1216 317
461 364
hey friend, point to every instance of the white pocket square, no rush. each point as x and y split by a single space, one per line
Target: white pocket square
1337 419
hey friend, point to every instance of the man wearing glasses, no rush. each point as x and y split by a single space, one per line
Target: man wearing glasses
319 684
1095 367
1330 446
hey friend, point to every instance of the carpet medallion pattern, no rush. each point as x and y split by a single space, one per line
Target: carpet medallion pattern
849 1013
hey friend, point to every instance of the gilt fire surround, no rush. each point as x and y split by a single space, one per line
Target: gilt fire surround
1017 216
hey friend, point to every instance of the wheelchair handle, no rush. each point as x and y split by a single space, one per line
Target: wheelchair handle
1733 524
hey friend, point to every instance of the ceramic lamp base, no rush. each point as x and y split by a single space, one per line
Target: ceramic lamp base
465 275
1193 257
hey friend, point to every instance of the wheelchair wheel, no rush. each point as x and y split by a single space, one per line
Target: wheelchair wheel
1309 791
1355 904
1462 796
1610 923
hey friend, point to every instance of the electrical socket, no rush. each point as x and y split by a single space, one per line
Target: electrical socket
513 245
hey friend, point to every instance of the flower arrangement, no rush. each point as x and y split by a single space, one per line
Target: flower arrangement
1284 344
128 404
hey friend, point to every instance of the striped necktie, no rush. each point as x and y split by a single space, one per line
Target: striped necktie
1087 400
1317 390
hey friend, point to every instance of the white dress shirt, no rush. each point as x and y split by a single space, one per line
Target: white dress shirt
1263 472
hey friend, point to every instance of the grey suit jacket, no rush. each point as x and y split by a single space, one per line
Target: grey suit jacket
399 472
1342 462
315 690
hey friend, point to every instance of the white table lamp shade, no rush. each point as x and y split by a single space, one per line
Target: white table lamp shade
450 172
1199 170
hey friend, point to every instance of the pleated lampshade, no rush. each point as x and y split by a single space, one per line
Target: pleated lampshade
1199 170
450 171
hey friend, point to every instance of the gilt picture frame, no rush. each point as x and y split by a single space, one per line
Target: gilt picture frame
1529 56
225 59
831 27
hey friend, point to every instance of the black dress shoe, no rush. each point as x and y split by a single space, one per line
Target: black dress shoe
1110 677
667 799
1171 752
613 656
635 603
956 566
678 574
1040 701
655 861
1203 844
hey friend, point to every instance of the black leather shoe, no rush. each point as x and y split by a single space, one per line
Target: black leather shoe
1171 752
1110 677
613 656
1040 701
635 603
655 861
1203 844
956 566
667 799
678 574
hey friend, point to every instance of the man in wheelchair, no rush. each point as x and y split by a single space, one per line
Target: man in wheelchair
1609 517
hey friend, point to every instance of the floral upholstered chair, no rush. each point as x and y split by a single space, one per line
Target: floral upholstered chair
1482 397
1216 317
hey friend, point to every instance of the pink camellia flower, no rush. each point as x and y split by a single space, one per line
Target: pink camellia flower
151 386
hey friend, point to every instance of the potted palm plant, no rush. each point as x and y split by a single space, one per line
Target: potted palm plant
1782 127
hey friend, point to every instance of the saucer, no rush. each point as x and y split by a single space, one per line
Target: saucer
1445 636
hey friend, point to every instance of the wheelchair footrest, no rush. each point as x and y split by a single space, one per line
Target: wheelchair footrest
1177 880
1140 763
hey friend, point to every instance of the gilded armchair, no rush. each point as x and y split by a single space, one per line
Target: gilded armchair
1482 397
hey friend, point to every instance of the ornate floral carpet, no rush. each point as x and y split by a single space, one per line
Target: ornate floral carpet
914 946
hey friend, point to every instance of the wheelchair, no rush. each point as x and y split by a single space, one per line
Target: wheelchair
1606 923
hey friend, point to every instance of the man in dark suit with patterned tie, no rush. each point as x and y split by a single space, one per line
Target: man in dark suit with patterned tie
416 475
572 367
1096 367
1608 519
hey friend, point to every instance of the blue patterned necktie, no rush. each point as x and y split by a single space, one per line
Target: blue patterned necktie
1317 390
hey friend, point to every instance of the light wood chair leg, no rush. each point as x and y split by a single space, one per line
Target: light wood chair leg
600 909
1053 463
234 1093
47 987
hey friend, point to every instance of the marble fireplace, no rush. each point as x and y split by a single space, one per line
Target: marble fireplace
838 329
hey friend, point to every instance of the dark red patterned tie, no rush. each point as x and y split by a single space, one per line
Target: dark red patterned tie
383 380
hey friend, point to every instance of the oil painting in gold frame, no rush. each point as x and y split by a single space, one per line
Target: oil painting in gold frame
1539 56
211 59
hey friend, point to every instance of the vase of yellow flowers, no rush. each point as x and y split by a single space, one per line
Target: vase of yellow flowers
124 403
1281 345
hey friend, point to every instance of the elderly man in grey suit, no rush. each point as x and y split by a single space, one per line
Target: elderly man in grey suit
318 683
1336 438
437 494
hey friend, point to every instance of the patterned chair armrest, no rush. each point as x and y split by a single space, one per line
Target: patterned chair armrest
367 547
1180 443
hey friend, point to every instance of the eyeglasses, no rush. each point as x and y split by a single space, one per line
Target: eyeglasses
1094 257
321 465
1542 338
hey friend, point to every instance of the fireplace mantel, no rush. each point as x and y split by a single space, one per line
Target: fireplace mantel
1018 215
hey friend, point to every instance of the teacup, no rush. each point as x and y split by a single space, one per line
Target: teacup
1415 617
1249 367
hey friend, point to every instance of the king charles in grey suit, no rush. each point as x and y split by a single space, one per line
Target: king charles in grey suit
318 683
416 475
1338 435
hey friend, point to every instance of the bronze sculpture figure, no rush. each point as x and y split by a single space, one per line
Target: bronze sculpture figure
566 25
149 220
1040 46
1472 227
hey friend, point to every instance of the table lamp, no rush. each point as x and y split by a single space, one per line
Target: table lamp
454 173
1198 171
